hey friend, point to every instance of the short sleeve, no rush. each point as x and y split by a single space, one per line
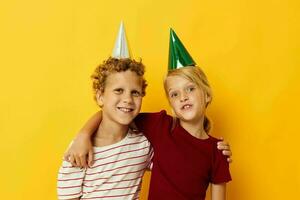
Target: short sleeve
69 181
220 167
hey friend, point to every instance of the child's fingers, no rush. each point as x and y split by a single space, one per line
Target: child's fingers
90 158
229 160
67 157
227 153
222 145
77 161
225 147
83 161
72 160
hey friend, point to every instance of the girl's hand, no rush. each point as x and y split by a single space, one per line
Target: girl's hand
225 147
80 151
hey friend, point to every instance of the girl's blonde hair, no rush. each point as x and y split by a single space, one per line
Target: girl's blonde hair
197 76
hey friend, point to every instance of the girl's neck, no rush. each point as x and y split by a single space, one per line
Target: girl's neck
196 129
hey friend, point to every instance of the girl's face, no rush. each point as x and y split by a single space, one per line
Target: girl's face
187 100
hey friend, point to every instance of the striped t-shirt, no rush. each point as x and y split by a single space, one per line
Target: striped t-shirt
116 173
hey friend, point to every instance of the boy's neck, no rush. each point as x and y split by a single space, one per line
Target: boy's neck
109 132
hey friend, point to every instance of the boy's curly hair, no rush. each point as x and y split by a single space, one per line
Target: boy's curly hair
112 65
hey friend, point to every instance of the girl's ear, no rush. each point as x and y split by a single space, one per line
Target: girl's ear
207 99
99 97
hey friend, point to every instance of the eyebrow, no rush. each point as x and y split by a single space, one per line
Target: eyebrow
190 83
170 89
186 85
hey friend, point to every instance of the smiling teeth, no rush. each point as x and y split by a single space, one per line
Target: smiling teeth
125 109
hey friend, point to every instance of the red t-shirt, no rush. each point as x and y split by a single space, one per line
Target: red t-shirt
183 166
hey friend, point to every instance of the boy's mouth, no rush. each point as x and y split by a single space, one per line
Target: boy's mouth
124 109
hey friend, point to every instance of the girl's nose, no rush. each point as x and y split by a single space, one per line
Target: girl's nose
184 97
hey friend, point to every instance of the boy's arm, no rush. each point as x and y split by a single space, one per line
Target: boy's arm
225 147
81 148
70 181
218 191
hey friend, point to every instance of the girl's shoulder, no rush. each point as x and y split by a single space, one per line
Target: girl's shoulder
155 115
214 139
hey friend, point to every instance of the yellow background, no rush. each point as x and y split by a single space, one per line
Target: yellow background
249 50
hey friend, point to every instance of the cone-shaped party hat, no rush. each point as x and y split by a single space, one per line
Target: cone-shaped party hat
121 49
178 55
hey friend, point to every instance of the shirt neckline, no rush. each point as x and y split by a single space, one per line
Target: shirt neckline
122 141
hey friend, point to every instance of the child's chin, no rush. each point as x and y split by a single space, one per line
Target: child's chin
187 118
125 122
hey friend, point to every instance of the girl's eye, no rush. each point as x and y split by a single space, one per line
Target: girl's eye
118 91
136 93
190 89
173 94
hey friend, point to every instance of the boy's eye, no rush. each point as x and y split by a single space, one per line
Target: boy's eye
118 91
136 93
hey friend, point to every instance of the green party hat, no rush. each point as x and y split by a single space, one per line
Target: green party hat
178 55
121 49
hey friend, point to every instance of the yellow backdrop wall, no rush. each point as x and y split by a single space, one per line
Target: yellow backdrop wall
249 50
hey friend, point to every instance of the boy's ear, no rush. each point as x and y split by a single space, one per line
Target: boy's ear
99 98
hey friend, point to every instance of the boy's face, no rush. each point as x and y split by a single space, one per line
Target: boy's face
122 97
186 98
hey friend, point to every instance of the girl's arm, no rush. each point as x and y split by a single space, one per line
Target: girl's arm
80 151
218 191
81 148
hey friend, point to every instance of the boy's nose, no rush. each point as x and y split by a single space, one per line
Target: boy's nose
127 98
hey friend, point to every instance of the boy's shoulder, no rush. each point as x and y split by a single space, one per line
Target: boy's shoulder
135 135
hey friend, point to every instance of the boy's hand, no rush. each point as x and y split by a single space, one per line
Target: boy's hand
80 151
224 146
